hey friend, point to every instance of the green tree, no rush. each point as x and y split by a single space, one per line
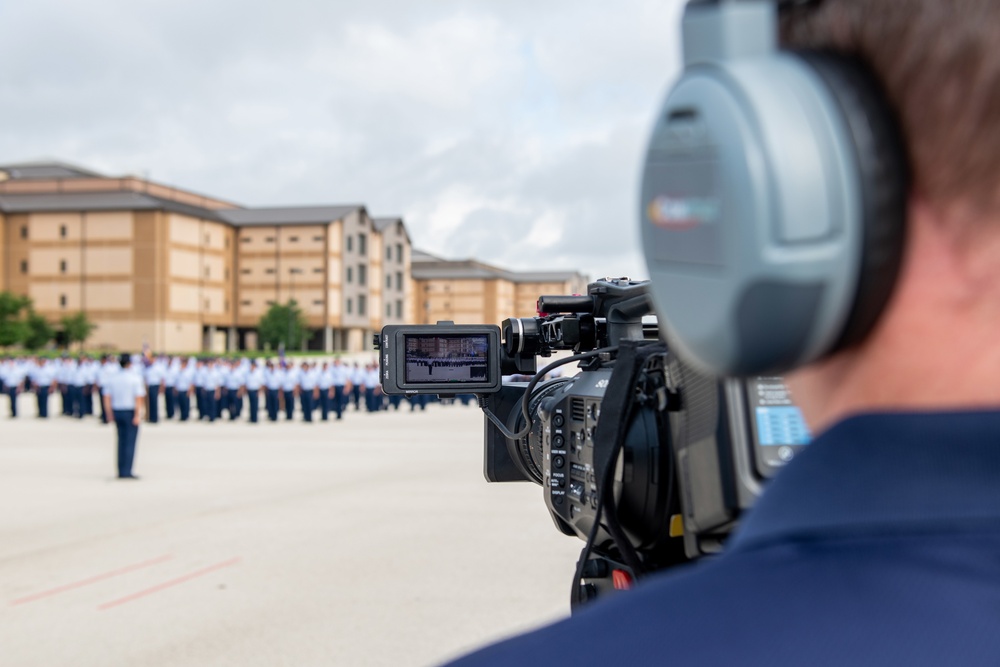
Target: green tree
77 328
283 323
40 332
13 328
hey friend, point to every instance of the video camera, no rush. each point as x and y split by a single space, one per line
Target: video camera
642 456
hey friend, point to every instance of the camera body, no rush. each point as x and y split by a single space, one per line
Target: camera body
646 459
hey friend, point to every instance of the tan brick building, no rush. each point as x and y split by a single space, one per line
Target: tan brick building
183 272
471 292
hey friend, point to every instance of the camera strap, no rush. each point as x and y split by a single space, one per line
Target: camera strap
617 409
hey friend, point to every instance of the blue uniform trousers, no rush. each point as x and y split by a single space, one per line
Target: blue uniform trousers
221 402
289 403
272 405
42 394
153 400
88 399
211 409
184 405
76 401
67 402
253 395
235 404
127 435
306 398
356 394
12 393
170 401
339 400
324 402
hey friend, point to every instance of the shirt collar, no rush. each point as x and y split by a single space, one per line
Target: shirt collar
885 473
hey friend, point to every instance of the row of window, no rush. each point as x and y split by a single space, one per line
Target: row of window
271 270
362 304
272 239
362 273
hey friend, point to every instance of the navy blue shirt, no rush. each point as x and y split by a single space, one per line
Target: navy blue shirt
878 545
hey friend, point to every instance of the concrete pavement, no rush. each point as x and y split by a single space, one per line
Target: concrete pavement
371 541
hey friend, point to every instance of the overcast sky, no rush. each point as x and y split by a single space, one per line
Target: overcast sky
506 130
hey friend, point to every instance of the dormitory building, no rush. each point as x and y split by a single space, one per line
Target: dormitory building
179 271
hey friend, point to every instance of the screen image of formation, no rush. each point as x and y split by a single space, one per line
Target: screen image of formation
437 358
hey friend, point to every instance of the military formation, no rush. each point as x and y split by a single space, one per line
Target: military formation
202 389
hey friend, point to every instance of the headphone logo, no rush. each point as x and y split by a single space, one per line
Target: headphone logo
680 213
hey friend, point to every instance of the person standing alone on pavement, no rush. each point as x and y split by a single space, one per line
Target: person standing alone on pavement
124 398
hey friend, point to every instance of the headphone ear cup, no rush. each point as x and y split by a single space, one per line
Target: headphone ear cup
884 175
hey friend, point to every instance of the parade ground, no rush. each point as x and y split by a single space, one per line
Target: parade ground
373 540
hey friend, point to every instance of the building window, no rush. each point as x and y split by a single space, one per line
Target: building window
399 281
24 232
388 282
399 253
293 239
62 231
24 266
362 275
62 300
349 306
388 310
399 308
207 306
268 270
317 238
245 303
225 273
362 244
269 239
318 302
350 274
208 238
362 304
245 271
349 247
388 252
318 270
208 272
270 302
62 266
245 239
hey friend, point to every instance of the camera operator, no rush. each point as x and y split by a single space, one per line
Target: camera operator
879 544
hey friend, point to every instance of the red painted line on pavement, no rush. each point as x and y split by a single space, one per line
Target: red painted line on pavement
168 584
91 580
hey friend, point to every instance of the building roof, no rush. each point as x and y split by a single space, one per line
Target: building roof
44 170
429 267
289 215
382 224
137 201
417 255
99 201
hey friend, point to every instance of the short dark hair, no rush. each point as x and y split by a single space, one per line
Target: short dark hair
939 63
125 359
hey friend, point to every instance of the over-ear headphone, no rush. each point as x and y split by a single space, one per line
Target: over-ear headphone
774 195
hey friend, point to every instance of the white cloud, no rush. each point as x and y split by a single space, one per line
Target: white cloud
511 131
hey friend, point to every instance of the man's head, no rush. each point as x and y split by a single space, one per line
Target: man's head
935 344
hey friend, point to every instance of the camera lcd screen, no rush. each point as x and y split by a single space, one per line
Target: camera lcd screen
779 429
447 358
